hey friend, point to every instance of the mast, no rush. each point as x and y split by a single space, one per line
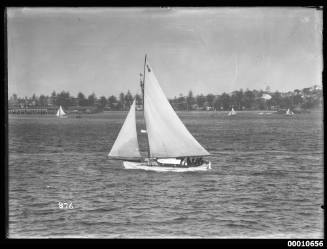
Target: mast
142 86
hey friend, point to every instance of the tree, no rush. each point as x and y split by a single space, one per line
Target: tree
234 100
217 103
237 99
249 99
181 102
91 99
112 102
190 100
297 91
34 100
54 98
200 99
306 91
122 101
81 100
210 99
128 99
64 99
173 103
297 100
13 99
102 102
42 100
225 101
138 99
276 99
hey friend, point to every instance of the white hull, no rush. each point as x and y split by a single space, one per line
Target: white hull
145 166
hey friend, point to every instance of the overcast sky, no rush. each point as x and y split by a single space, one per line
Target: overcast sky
206 50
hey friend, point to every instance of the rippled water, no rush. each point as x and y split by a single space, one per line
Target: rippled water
266 181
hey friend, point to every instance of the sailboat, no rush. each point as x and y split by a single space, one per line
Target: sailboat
61 113
171 147
289 112
232 112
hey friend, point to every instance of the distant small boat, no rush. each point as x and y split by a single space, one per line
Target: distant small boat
171 147
289 112
265 113
61 113
232 112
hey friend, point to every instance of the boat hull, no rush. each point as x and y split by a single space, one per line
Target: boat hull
144 166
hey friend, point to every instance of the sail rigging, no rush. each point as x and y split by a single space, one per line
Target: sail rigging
126 145
167 135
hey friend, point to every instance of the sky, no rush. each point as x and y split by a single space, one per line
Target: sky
206 50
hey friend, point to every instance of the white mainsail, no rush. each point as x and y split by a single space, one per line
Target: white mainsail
60 112
232 112
167 135
126 145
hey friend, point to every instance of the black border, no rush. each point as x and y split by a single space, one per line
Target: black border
160 3
115 3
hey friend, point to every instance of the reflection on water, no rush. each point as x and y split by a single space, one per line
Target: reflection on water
266 181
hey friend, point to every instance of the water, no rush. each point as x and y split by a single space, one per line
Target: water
266 181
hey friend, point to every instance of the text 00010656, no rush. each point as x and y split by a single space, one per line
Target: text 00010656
305 243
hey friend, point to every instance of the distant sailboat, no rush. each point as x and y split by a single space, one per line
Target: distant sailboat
171 147
61 113
289 112
232 112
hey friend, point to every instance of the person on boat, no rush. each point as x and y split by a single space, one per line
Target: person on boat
199 161
183 161
186 162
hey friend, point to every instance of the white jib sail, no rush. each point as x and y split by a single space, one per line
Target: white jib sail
167 135
126 145
60 112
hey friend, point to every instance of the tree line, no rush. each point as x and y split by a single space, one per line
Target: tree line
306 98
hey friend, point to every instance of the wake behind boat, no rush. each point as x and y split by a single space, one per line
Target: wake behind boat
171 147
